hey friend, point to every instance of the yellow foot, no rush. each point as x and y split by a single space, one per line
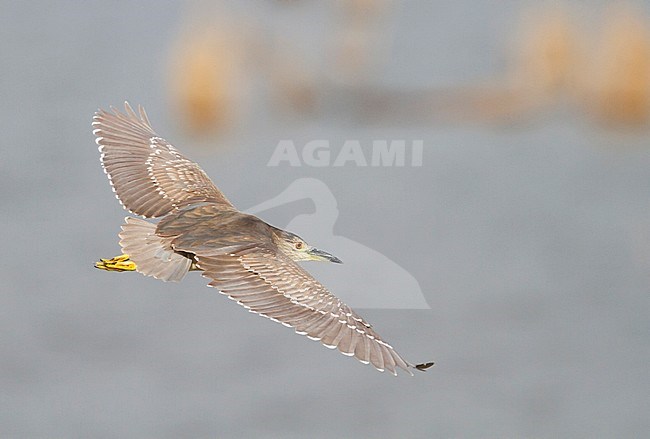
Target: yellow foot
118 263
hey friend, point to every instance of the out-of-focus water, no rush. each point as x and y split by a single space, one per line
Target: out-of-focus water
531 244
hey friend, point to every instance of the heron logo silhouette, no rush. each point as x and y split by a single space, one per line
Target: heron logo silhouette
385 283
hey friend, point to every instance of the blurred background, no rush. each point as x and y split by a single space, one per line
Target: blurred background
527 226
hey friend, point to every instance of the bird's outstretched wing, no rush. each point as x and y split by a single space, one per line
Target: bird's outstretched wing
274 286
148 175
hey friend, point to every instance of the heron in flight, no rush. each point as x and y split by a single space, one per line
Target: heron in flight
250 261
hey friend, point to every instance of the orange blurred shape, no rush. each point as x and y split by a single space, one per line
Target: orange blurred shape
362 10
357 39
548 51
205 68
293 81
621 87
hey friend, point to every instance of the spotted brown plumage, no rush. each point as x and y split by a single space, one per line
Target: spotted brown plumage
250 261
149 176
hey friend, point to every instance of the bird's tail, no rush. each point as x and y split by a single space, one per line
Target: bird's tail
151 254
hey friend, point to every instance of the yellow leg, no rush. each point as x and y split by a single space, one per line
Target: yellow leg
118 263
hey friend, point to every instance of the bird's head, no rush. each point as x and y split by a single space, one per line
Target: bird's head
298 250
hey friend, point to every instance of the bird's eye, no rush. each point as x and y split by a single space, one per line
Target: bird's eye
298 245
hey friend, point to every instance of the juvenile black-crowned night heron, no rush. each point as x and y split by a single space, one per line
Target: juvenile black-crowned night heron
245 258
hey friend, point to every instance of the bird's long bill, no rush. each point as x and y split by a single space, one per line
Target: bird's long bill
320 255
